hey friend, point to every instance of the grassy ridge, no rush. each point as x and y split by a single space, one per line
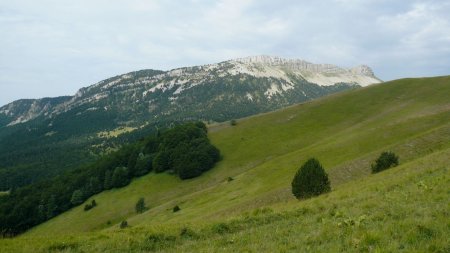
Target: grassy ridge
345 132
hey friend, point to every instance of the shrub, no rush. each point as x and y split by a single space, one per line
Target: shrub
221 228
310 180
176 209
385 161
233 122
140 206
158 241
88 207
124 224
188 233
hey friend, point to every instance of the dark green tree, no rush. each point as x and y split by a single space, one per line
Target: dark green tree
143 165
77 197
42 210
107 184
161 162
151 145
94 186
140 206
51 207
188 166
310 180
120 177
385 161
132 162
189 151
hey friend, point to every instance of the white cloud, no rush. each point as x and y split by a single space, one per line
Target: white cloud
421 26
51 48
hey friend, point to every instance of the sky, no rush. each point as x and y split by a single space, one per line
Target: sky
51 48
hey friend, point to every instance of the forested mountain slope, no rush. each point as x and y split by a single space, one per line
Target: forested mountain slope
42 138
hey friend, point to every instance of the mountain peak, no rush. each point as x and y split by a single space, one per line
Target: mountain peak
363 70
302 65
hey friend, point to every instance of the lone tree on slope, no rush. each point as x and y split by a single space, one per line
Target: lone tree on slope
385 161
310 180
140 206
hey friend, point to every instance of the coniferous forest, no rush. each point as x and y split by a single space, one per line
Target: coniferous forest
183 150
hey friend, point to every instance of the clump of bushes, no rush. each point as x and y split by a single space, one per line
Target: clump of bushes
123 224
233 122
186 151
176 209
88 207
221 228
385 161
310 180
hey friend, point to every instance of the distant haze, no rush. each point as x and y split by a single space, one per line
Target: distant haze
53 48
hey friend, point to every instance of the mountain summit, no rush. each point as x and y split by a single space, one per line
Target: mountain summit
322 74
263 82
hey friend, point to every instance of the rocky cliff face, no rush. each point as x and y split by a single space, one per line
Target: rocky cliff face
27 109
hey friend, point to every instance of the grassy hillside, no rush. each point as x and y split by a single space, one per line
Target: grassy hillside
404 208
400 210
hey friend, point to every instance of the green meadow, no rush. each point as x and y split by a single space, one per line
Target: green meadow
245 204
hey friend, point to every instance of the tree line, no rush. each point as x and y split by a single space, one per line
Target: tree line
183 150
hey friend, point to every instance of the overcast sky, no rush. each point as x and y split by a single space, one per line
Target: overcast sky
53 48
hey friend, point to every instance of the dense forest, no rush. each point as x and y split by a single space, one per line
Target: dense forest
183 150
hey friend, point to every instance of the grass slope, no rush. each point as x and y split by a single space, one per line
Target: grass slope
345 132
404 209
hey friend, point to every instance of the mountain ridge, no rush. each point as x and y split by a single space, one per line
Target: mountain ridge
263 66
304 65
